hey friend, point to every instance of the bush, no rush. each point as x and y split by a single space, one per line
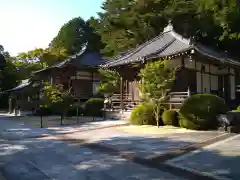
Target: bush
170 117
93 107
142 115
73 110
44 111
199 111
238 108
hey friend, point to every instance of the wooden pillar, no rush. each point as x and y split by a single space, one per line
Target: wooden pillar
121 92
126 87
188 92
210 83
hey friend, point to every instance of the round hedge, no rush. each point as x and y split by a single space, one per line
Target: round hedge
199 111
170 117
93 107
142 115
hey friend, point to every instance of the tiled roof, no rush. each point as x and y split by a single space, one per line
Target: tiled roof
25 83
168 43
83 58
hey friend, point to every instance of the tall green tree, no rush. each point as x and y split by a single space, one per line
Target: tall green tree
8 77
125 23
74 34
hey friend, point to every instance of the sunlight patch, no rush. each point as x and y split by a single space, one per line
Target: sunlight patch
8 149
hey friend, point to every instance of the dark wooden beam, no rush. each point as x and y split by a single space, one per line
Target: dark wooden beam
121 92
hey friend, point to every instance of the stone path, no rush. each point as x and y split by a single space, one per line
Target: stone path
220 160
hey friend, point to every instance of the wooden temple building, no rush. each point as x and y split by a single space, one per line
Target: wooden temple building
79 74
202 69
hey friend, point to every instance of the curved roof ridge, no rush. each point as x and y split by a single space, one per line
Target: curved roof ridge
180 37
170 29
138 48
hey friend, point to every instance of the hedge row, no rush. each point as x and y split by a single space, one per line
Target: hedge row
199 112
92 107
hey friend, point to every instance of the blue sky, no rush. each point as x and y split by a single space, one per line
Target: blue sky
29 24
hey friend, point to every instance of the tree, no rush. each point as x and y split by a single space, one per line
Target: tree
109 82
59 99
156 82
126 23
8 76
71 36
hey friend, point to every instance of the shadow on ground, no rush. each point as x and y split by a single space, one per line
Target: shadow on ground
24 156
54 159
14 130
62 159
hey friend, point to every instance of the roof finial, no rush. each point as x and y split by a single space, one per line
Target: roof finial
169 27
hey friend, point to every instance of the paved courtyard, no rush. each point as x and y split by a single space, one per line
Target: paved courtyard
26 154
44 159
41 158
143 145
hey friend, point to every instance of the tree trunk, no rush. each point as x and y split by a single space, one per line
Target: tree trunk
157 115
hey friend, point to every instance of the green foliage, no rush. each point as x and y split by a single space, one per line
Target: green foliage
74 34
93 107
109 82
9 77
238 108
126 23
200 111
157 81
59 99
170 117
44 110
70 36
143 115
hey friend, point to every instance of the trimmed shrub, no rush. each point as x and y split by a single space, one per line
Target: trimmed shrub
170 117
142 115
238 108
73 110
199 111
93 107
44 111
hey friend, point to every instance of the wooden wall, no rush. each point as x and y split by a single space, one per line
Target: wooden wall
202 75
